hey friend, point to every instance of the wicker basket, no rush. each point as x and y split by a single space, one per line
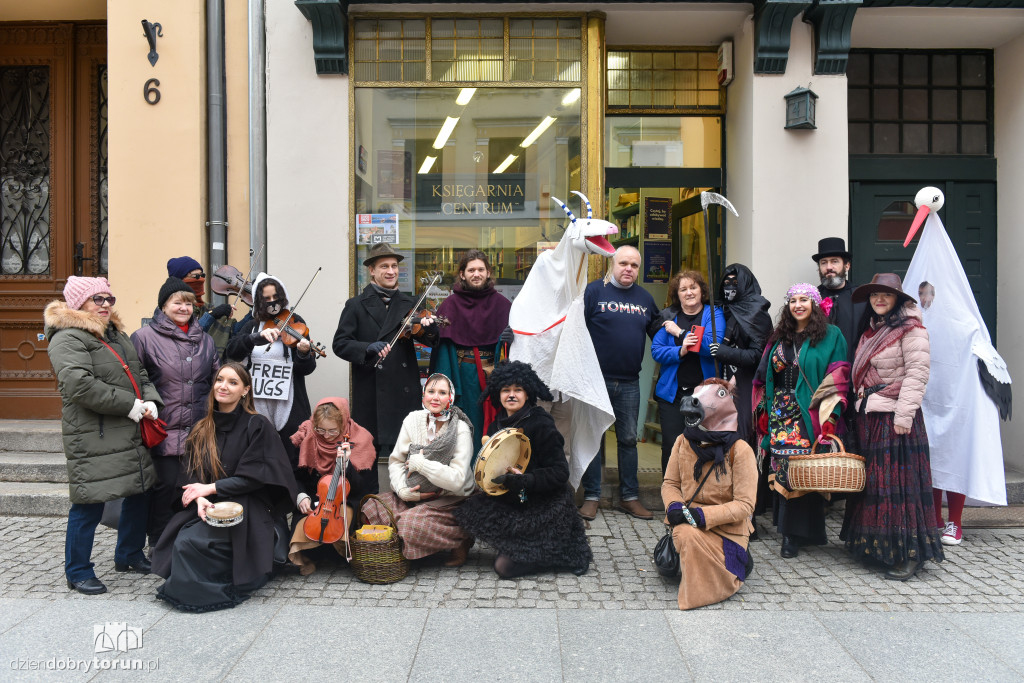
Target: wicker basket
379 561
834 472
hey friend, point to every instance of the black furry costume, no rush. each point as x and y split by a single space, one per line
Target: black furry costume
535 522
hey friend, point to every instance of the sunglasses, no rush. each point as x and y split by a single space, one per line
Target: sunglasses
100 300
196 276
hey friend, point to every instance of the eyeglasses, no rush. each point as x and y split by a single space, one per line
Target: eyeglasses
100 300
327 432
196 276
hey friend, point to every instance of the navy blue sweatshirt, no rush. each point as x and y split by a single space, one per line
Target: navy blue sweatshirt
618 320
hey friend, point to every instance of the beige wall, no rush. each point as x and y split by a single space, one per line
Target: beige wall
54 10
308 163
157 152
791 188
1009 140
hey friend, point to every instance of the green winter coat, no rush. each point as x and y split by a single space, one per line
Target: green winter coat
105 456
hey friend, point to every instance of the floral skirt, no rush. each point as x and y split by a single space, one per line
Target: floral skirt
787 433
893 520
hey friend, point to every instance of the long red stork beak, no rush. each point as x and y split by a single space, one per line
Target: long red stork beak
919 219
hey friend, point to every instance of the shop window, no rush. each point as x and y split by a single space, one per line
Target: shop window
663 141
920 102
664 81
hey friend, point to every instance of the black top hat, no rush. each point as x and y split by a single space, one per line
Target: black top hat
832 246
380 250
889 283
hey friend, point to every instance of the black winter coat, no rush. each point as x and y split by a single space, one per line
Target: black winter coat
850 318
547 473
181 366
380 398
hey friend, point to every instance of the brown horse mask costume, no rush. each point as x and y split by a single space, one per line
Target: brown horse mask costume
712 407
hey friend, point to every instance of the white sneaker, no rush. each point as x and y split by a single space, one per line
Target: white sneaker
951 535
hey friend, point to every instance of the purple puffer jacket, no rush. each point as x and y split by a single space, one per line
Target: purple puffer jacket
182 366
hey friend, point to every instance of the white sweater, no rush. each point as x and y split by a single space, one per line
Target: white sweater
456 478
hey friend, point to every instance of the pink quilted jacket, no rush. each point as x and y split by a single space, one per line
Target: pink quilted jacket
908 360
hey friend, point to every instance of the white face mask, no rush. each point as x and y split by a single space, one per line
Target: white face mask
730 292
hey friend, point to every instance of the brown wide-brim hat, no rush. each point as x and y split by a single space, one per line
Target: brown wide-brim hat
889 283
380 250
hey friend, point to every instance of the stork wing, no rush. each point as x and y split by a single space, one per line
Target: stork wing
995 378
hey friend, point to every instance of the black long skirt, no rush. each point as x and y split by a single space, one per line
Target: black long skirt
546 532
893 520
200 579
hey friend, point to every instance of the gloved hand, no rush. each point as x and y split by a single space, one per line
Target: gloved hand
513 482
151 407
374 349
408 495
675 514
415 462
138 408
507 336
828 429
713 348
221 311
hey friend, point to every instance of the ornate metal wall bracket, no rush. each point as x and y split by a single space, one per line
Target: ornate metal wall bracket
330 33
151 31
832 21
773 23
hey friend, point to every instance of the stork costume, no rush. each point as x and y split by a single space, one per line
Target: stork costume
551 335
961 418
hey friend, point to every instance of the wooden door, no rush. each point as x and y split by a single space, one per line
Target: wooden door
49 193
881 213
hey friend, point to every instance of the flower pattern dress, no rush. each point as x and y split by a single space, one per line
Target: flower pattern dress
786 429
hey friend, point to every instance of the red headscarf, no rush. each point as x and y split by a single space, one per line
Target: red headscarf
317 453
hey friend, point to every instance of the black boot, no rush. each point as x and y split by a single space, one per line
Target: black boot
789 547
903 571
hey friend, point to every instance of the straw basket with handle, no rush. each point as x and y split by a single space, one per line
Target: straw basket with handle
379 561
836 471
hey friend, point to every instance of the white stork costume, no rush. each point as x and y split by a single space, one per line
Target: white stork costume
552 336
968 377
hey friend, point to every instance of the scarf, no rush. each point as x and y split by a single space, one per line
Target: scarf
441 449
874 341
385 294
319 454
478 317
198 287
709 447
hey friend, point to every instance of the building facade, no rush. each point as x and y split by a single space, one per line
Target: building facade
443 127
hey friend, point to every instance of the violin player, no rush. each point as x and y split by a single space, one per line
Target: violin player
278 370
383 395
216 321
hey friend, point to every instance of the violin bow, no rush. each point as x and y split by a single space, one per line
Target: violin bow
343 457
408 318
248 277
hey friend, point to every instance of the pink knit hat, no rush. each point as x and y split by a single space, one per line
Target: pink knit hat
79 289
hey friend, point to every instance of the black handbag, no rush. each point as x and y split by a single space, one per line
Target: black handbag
666 557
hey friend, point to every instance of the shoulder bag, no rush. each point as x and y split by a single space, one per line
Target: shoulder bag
153 431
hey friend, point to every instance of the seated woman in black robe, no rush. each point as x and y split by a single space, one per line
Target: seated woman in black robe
234 454
534 526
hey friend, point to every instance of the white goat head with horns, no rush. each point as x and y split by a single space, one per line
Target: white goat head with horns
588 235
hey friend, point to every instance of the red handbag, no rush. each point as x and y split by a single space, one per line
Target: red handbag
153 431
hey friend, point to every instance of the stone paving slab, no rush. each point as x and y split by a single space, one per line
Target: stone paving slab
985 574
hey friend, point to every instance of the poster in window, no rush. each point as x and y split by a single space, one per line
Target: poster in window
657 262
657 217
394 174
375 228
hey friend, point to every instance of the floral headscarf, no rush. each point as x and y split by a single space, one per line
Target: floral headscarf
445 414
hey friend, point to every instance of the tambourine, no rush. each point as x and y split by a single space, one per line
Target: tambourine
507 448
224 514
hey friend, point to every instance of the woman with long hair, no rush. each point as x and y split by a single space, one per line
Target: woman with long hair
891 522
234 454
685 357
800 391
430 475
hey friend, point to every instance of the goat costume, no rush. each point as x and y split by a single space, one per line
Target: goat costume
961 417
552 336
713 557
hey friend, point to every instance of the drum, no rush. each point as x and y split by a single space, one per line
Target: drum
507 448
224 514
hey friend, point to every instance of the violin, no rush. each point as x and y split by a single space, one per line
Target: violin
415 325
328 522
292 332
229 280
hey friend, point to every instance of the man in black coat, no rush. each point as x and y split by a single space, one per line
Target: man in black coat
382 396
834 270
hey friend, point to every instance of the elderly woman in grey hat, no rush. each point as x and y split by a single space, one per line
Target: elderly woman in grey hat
892 522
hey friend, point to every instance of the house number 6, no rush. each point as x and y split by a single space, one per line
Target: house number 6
150 92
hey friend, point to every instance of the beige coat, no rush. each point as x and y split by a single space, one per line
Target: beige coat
908 360
727 504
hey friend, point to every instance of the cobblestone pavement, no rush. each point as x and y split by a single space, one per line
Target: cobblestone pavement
984 574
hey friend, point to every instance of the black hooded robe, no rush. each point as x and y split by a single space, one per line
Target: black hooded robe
209 568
